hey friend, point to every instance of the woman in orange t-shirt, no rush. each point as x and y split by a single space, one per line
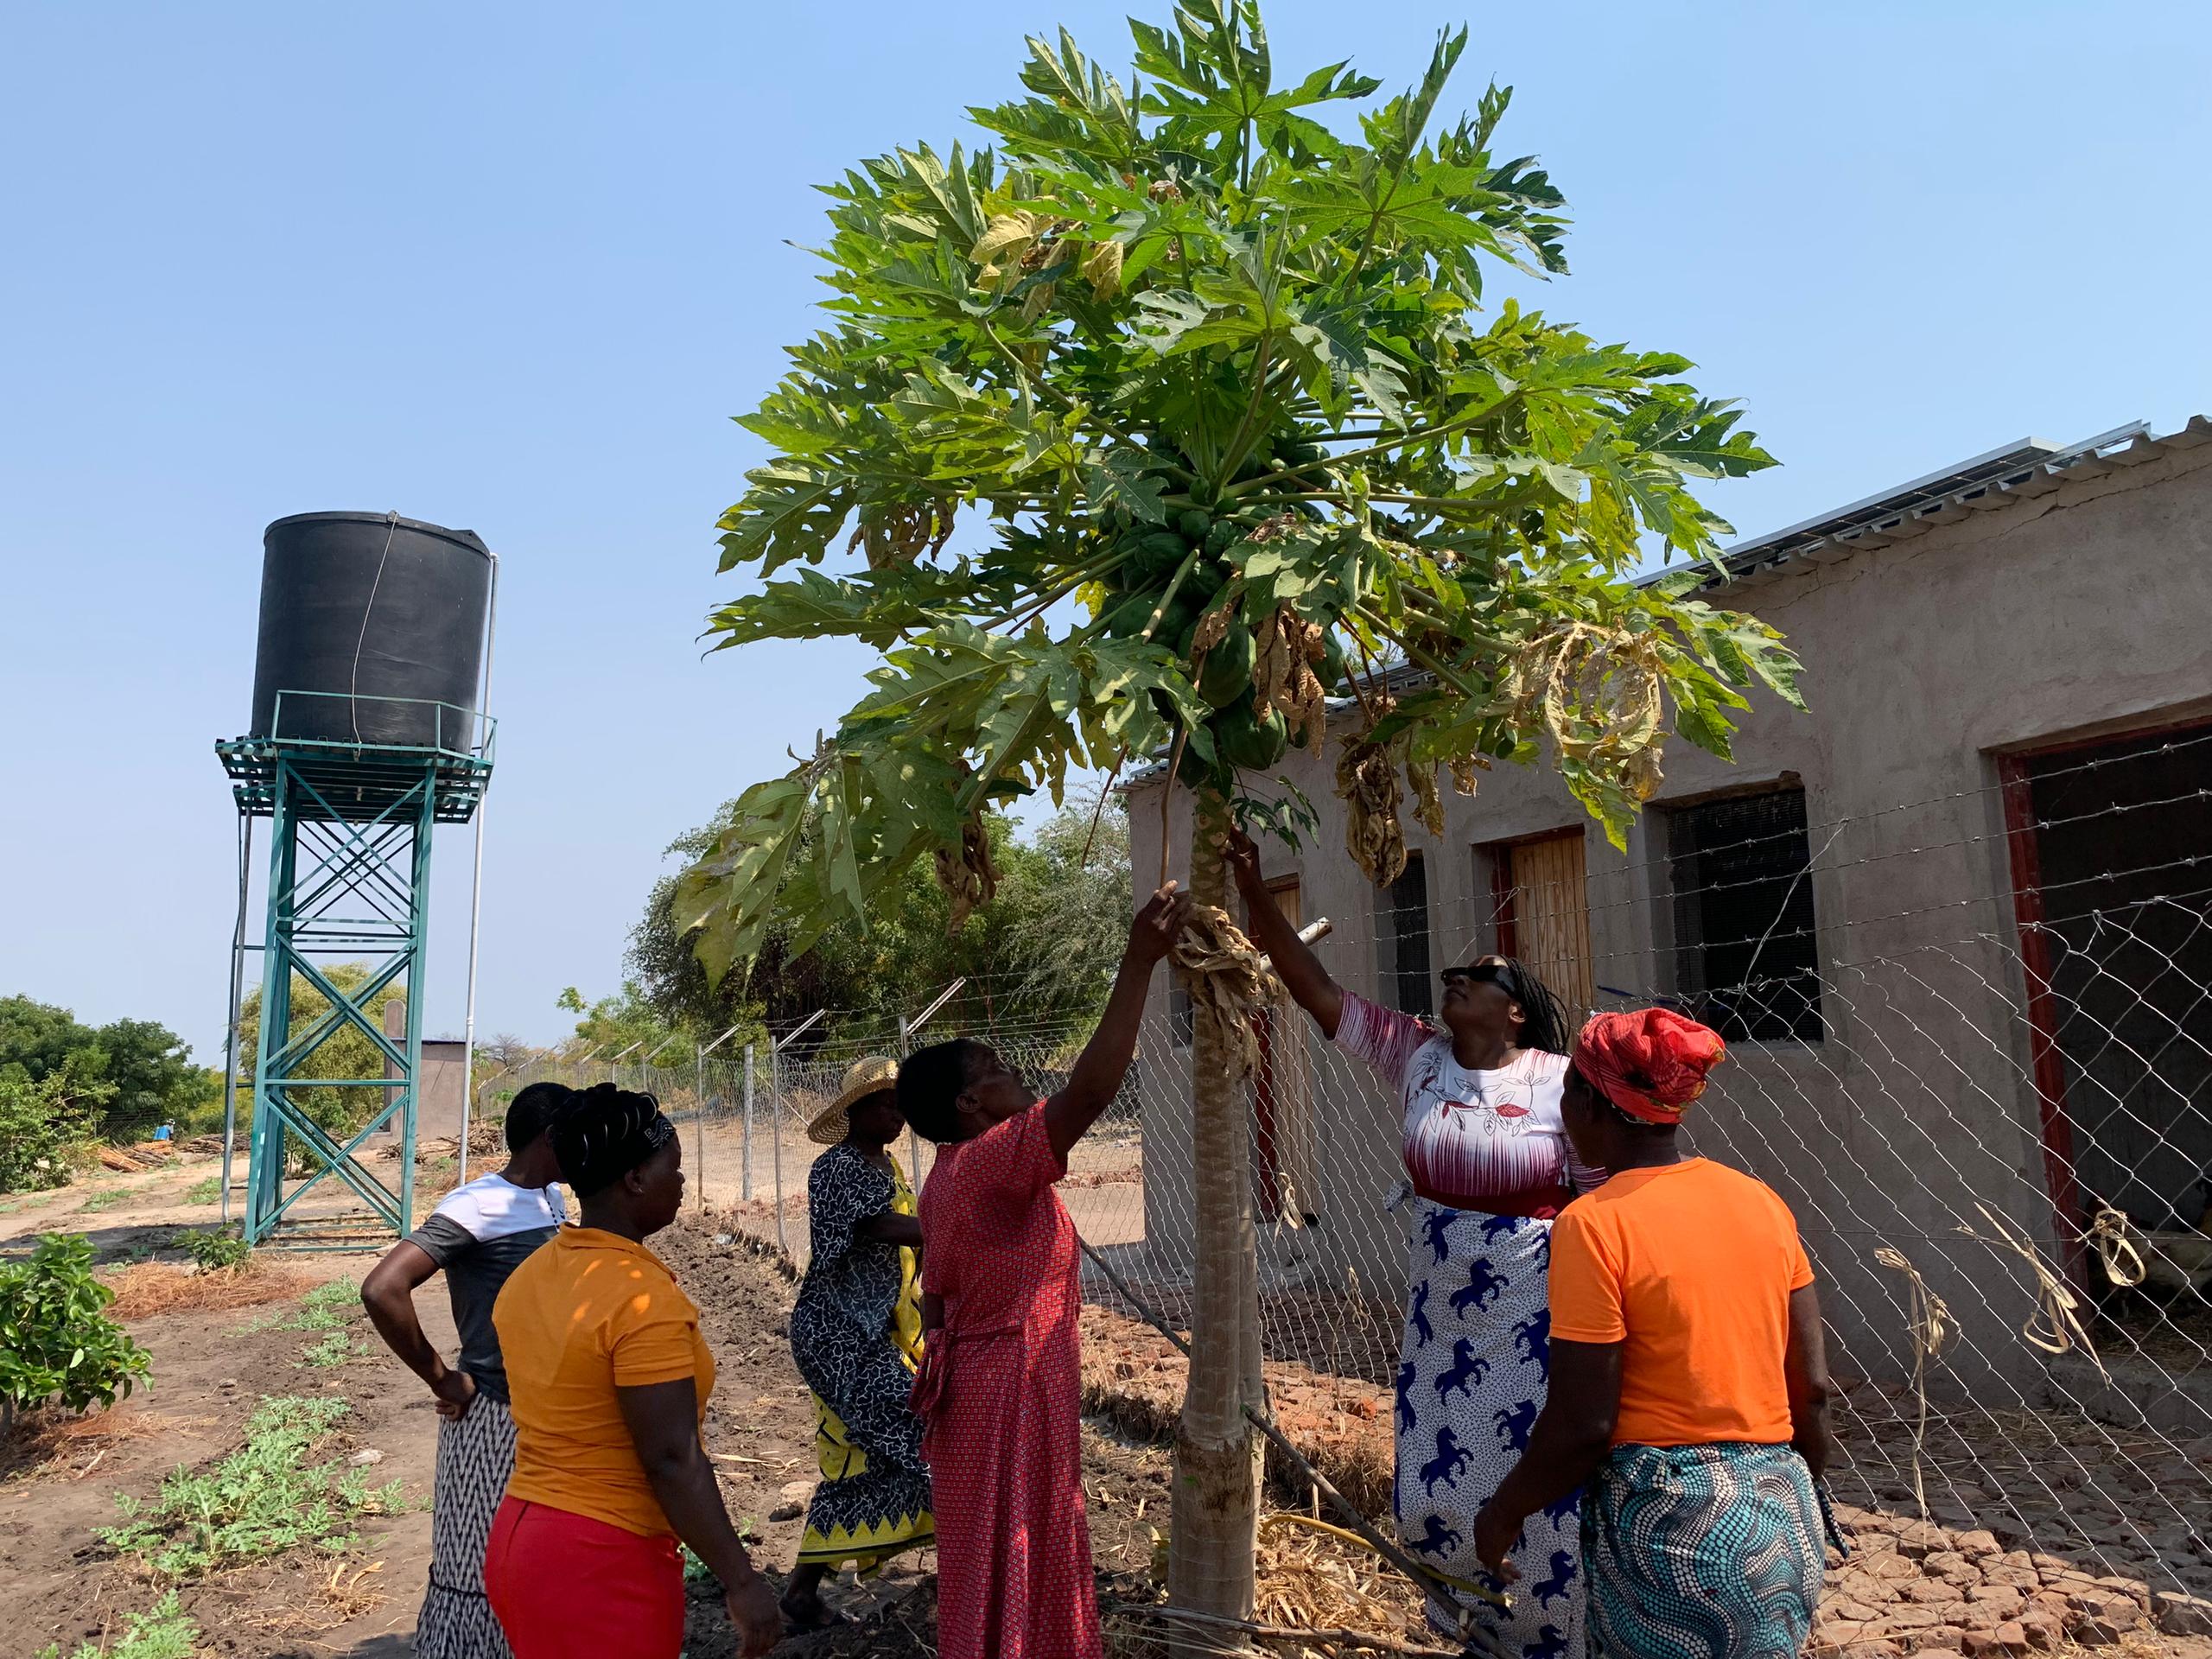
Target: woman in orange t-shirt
1688 1385
607 1378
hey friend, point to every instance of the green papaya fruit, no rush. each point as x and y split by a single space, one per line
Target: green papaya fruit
1249 742
1224 536
1192 525
1207 578
1128 616
1227 674
1156 555
1331 667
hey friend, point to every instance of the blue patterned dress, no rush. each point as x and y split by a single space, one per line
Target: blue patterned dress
1476 1355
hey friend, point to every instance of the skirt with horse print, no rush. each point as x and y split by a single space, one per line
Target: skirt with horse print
1471 1374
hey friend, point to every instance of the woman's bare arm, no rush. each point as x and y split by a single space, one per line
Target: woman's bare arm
1806 1366
1297 967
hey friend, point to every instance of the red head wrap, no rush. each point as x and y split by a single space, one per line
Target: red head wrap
1650 1064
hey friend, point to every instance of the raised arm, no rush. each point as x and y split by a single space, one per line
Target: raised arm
1296 965
663 1422
1806 1366
388 1293
1097 1076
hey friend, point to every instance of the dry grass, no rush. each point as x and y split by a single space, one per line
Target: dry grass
152 1288
1318 1597
343 1597
1311 1579
56 1442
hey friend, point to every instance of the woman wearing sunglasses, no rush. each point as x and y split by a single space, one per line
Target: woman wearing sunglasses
1487 1155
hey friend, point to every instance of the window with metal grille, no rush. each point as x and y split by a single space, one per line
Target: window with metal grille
1744 948
1401 940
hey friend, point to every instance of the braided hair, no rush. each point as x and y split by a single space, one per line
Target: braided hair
1544 1017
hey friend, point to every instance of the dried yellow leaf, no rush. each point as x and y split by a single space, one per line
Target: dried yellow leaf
1103 265
1005 240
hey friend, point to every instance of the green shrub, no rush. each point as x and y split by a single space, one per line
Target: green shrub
46 1126
164 1631
57 1343
269 1496
205 1191
211 1251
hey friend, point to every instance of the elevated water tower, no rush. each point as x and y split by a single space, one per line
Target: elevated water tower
368 731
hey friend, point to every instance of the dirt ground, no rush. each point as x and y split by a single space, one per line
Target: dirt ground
59 1482
1973 1590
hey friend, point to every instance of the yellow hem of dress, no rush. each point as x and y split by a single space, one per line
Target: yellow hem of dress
867 1550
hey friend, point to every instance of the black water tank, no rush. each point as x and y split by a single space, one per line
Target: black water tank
370 606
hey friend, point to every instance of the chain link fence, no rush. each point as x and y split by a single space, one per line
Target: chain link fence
1987 1094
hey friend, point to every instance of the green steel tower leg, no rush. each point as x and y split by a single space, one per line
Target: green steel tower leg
342 885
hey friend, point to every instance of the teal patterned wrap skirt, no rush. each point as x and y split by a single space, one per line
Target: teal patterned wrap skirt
1701 1552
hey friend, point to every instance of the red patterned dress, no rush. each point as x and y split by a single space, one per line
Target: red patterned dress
1001 1392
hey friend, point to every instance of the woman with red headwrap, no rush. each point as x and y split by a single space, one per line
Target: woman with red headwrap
1688 1385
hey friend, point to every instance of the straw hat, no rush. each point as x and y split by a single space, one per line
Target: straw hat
863 1078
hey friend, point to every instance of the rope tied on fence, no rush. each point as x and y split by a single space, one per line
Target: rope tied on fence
1928 1318
2123 1263
2056 1325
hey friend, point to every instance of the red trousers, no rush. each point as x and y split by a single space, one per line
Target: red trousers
566 1586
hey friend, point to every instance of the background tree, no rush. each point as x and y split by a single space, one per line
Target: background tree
1224 376
624 1024
347 1054
46 1127
145 1069
1044 949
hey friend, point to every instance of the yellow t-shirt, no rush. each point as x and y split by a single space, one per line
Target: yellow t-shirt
589 1312
1689 1266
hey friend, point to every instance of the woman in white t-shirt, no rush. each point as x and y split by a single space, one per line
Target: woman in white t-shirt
1486 1153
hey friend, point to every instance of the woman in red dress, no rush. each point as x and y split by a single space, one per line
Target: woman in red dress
1000 1384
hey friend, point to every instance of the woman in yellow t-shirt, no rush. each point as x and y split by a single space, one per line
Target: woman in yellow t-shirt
1688 1383
607 1378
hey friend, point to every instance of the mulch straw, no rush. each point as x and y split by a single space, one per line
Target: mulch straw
152 1287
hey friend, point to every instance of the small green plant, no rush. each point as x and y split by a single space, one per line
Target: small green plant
269 1496
335 1348
205 1191
327 1307
164 1631
211 1252
57 1343
104 1198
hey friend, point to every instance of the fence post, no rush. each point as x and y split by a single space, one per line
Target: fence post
776 1133
699 1089
745 1174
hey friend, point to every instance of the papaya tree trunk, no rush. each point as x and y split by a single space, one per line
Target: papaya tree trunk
1217 1452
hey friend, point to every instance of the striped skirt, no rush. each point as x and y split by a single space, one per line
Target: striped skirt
1701 1552
475 1457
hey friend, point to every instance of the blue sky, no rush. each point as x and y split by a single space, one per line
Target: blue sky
512 268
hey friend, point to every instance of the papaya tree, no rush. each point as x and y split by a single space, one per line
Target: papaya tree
1169 417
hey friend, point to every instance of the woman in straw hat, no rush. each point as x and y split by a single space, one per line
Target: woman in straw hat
857 1333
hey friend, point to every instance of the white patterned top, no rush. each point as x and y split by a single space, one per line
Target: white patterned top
1471 1137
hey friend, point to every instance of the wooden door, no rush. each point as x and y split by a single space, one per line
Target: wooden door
1544 915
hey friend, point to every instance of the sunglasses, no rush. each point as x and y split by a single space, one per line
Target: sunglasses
1482 969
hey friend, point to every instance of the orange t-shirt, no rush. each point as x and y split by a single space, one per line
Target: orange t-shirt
588 1313
1690 1266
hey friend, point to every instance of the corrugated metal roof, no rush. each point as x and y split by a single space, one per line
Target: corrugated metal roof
1997 478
